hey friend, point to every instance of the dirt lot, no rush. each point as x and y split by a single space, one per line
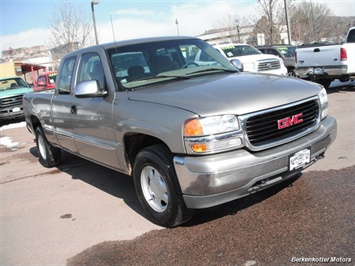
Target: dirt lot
50 216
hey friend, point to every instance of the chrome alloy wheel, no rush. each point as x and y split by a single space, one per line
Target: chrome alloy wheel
42 147
154 189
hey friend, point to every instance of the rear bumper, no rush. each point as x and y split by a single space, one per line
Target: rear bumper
208 181
328 71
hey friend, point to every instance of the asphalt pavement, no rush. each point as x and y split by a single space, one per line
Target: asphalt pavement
82 213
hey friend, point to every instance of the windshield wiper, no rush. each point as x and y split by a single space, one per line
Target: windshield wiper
161 76
171 76
213 69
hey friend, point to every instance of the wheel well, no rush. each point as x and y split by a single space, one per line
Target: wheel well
134 143
35 122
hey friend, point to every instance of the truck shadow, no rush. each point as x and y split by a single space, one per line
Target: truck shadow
121 186
337 87
109 181
11 121
233 207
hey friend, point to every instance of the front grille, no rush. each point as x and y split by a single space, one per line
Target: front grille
268 65
263 129
11 101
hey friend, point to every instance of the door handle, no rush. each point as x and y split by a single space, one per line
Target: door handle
73 110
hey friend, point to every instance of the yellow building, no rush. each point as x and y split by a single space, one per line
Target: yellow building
28 72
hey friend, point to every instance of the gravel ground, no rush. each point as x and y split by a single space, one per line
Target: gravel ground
311 216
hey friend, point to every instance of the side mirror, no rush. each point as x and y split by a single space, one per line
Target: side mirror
88 89
237 64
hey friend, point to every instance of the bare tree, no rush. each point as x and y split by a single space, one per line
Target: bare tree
271 21
229 29
311 22
70 28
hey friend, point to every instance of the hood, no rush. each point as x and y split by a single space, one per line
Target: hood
253 58
239 93
14 92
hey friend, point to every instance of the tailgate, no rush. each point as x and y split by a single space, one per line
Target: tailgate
322 56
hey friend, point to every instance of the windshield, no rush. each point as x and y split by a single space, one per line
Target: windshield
12 83
146 63
52 77
239 50
287 51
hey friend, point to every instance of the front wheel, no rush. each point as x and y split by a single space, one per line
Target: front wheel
157 187
49 156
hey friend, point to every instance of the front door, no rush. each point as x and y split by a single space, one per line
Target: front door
92 117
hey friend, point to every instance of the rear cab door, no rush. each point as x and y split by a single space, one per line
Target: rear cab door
62 102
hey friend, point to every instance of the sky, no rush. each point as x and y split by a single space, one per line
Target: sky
25 23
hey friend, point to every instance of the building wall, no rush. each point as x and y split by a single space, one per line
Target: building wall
10 69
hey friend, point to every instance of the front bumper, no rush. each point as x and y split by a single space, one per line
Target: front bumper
208 181
11 113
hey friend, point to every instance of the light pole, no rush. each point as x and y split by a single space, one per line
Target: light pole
238 29
94 2
288 23
177 26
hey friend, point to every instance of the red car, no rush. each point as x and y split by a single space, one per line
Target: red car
46 81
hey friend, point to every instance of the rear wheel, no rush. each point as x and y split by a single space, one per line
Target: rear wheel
49 156
291 72
157 187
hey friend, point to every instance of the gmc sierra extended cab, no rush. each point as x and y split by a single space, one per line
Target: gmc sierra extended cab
191 136
325 63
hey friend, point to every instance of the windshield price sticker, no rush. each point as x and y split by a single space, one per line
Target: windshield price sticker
300 159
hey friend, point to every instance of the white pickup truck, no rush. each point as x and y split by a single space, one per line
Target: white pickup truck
324 63
246 58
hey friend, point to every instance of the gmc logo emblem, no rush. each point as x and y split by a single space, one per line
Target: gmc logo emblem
290 121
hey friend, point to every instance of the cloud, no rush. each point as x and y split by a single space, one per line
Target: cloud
133 12
29 38
193 17
345 8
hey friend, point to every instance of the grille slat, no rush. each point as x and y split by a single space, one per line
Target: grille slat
11 101
268 65
263 129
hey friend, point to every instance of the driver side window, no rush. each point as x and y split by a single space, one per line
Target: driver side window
90 68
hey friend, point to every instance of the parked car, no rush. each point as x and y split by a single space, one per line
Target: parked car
12 90
46 81
286 52
248 58
191 136
323 63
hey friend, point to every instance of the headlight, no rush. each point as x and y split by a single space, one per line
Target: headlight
249 67
212 134
323 99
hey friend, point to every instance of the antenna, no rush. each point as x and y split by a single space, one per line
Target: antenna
113 31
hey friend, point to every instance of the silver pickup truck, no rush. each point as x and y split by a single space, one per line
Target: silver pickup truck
191 136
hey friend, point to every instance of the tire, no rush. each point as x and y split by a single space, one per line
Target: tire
291 72
157 187
324 82
49 156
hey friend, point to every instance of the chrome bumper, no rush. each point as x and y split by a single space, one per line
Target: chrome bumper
321 72
208 181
